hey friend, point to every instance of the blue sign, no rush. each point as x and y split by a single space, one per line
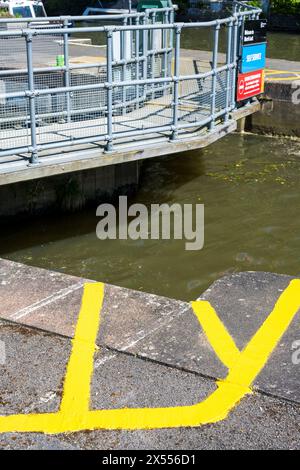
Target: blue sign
253 57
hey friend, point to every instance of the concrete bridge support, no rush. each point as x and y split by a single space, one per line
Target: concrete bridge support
68 192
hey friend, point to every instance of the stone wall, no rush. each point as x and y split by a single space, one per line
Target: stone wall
280 112
69 192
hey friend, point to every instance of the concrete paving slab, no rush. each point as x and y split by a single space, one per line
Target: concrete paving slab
56 315
124 381
153 353
24 289
182 344
251 297
129 316
32 376
163 330
258 422
243 301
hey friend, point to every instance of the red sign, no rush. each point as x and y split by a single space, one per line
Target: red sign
250 84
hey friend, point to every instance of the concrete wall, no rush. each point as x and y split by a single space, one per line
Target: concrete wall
280 111
68 192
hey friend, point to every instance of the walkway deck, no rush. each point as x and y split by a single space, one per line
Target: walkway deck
193 107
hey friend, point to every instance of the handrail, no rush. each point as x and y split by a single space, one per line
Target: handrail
62 18
116 28
139 89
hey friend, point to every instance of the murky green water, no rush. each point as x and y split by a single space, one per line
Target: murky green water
250 187
284 46
280 45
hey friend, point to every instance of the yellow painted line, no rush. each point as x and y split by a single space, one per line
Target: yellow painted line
216 333
286 75
74 414
286 79
271 74
277 72
256 353
76 397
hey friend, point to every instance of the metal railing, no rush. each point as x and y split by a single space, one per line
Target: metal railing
55 92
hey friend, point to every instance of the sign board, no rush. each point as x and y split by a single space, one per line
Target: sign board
250 84
253 57
255 31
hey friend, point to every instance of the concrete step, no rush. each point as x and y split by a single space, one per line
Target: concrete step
152 352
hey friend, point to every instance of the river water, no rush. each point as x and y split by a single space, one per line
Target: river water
250 186
280 45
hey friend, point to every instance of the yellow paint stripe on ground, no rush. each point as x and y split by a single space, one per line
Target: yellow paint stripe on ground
277 72
272 75
284 79
256 354
216 407
218 336
76 396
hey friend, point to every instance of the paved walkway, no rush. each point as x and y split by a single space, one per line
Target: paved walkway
282 70
151 353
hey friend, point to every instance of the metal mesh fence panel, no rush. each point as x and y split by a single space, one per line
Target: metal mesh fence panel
54 90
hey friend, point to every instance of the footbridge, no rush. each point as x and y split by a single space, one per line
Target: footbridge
69 103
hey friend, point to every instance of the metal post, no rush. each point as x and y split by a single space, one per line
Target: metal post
229 71
176 84
214 76
137 63
34 149
124 66
164 46
171 42
152 58
235 61
67 70
109 88
145 54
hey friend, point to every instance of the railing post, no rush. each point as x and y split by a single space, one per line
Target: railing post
137 62
171 41
152 45
67 79
176 84
214 76
67 69
109 91
34 148
229 86
234 61
165 47
123 36
145 53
